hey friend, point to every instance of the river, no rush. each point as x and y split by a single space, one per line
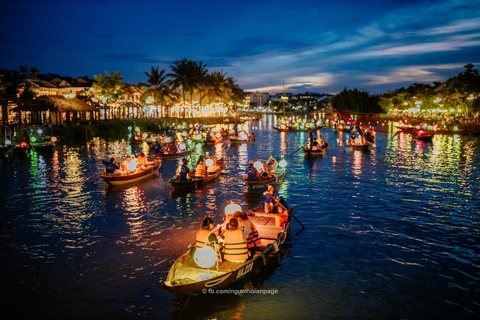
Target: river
391 233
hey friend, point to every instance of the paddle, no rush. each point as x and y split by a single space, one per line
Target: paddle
96 179
303 227
296 151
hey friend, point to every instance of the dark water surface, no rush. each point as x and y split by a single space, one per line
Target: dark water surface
391 234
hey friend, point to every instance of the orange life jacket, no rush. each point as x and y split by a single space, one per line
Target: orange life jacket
235 246
201 171
202 239
252 239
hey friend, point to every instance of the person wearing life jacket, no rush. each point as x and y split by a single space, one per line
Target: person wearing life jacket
249 231
141 160
235 247
201 170
124 164
206 238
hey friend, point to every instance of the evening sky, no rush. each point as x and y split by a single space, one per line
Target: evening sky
320 46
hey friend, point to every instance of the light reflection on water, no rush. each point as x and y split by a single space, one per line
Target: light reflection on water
391 233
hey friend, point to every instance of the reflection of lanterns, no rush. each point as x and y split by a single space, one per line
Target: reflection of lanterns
258 165
54 139
282 163
209 162
34 139
167 140
182 146
232 208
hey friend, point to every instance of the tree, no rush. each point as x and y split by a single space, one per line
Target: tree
109 88
158 87
357 101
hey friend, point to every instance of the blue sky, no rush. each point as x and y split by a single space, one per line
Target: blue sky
321 46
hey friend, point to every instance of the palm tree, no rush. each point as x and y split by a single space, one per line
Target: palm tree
158 87
181 77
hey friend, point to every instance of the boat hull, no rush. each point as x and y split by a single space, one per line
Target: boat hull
120 180
176 155
262 184
198 182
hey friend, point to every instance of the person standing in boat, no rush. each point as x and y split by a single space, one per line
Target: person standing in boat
235 247
201 169
272 200
252 172
156 149
206 238
249 231
110 166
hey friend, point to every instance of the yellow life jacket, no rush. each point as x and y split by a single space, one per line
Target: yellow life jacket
235 246
201 171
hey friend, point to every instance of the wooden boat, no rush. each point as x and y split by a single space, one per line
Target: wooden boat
43 147
319 152
136 140
262 184
422 135
120 179
370 138
186 278
197 182
238 139
176 154
291 129
359 145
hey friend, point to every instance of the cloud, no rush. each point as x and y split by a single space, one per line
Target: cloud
413 74
454 27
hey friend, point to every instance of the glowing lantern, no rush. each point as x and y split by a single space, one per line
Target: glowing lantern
182 146
129 135
39 131
144 135
184 133
8 142
198 146
232 208
137 129
258 165
205 258
129 128
243 135
455 128
282 163
54 139
199 137
132 165
167 140
213 129
218 135
283 126
209 162
34 139
358 141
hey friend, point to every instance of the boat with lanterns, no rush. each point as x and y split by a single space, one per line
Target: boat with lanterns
214 169
198 269
284 128
173 151
315 150
272 172
422 135
359 144
133 174
242 137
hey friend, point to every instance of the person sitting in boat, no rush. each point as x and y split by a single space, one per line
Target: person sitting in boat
201 170
252 172
110 166
184 171
124 164
315 145
206 238
142 161
235 247
249 231
251 136
272 200
235 129
156 149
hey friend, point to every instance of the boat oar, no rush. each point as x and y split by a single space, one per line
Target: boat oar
96 179
295 151
303 227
